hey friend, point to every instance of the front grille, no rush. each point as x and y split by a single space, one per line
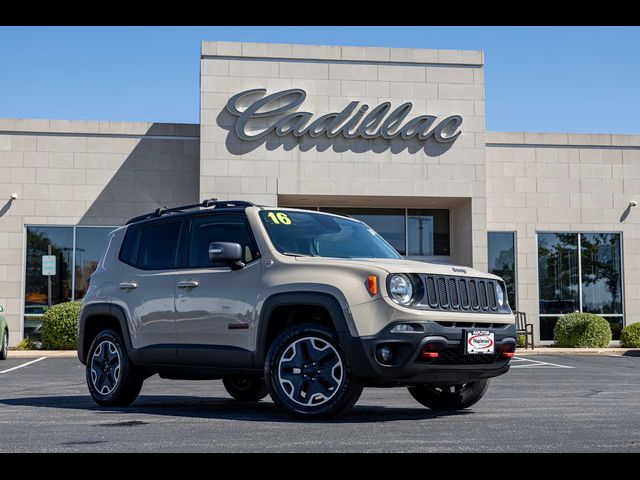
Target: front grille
451 356
431 292
473 325
474 294
448 292
453 291
442 292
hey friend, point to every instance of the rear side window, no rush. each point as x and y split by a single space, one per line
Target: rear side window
223 228
152 247
129 248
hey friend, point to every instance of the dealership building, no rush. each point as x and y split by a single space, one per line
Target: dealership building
393 136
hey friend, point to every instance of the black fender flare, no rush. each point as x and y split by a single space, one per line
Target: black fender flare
328 301
102 310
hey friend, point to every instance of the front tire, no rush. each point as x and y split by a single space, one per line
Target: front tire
111 377
4 349
307 374
450 397
246 389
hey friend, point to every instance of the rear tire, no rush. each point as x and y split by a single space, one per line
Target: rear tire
4 349
111 377
246 389
450 397
307 374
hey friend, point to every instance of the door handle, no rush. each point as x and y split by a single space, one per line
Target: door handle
128 285
188 284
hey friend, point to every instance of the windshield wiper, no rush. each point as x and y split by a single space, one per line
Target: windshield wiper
290 254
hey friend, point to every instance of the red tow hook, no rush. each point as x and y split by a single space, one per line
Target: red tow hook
508 354
427 354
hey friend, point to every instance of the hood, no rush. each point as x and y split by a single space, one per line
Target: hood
392 265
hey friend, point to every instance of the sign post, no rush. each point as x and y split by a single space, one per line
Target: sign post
49 269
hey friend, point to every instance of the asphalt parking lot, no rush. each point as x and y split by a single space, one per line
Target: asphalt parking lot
544 404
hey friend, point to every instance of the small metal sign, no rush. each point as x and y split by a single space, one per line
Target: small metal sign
49 265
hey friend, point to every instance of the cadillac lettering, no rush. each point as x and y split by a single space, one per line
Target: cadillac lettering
354 121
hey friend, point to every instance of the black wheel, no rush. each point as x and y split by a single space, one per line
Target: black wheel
307 374
4 349
246 389
113 381
450 397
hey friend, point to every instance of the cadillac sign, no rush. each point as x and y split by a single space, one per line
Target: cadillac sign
279 112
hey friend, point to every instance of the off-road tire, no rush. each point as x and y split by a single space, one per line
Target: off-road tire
120 383
312 350
246 389
450 397
4 348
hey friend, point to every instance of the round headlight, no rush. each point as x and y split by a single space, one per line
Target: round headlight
499 294
401 289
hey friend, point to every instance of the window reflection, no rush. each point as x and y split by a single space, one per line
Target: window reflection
90 243
601 273
428 232
558 272
502 261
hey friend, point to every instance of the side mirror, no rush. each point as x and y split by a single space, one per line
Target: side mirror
227 253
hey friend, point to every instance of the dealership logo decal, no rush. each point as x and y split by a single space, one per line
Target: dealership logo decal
278 113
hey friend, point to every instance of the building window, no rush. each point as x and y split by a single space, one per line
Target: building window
412 232
428 232
502 261
579 272
77 251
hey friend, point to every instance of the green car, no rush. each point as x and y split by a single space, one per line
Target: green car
4 336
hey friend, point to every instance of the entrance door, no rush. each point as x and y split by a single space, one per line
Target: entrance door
215 305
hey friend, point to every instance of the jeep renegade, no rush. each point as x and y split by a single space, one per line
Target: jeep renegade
306 306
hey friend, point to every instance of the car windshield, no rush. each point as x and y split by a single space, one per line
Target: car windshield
320 235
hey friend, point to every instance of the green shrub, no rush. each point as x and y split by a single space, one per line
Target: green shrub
25 344
521 341
582 330
630 336
60 326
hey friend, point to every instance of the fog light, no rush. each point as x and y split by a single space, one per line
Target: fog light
384 354
404 327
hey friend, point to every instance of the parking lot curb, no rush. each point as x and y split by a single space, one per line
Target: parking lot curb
630 352
42 353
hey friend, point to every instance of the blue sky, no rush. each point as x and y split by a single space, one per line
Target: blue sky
567 79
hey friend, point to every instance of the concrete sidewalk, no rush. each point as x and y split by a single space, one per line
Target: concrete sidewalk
41 353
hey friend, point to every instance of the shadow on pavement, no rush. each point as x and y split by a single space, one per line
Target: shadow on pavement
221 408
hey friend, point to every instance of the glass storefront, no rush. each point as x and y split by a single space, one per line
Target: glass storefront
77 251
579 272
502 261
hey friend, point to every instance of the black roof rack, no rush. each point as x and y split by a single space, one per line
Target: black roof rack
208 203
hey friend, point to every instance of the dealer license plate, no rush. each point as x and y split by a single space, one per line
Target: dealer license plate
480 342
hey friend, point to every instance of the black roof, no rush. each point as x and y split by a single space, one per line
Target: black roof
205 207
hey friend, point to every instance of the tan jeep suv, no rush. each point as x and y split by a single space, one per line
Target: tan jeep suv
308 307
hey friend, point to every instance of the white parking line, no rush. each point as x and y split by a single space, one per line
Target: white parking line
23 365
538 364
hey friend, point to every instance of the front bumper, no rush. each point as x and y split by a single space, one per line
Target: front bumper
408 367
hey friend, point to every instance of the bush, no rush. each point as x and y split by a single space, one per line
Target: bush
521 341
60 326
630 336
25 344
582 330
